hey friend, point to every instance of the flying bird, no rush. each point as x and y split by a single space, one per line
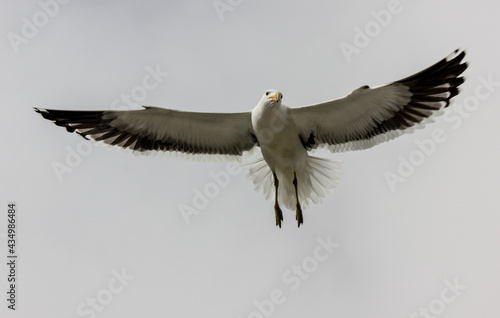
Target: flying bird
360 120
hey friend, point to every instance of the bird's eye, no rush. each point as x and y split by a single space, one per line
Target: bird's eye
267 93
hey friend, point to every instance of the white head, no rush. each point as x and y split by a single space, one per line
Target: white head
271 96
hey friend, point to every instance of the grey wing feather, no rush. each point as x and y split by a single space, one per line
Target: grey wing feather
159 129
369 116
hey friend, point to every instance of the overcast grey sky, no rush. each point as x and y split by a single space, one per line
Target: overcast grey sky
412 229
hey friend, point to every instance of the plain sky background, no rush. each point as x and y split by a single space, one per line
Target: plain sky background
116 211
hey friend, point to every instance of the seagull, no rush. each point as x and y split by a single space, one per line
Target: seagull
366 117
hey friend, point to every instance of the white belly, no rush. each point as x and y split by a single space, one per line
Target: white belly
278 139
285 155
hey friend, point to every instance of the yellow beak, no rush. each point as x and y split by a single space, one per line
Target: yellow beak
275 97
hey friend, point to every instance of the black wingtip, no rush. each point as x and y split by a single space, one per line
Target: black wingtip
43 111
458 54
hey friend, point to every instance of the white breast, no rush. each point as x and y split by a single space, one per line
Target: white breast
278 138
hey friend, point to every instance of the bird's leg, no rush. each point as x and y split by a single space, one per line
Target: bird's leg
298 216
277 210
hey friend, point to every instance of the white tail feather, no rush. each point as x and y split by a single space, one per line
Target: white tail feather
318 178
261 176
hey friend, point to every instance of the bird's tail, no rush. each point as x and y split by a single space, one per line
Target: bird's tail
318 178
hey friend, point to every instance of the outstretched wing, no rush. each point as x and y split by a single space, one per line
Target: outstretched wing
161 129
369 116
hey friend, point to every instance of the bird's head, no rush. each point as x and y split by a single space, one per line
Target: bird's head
272 96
